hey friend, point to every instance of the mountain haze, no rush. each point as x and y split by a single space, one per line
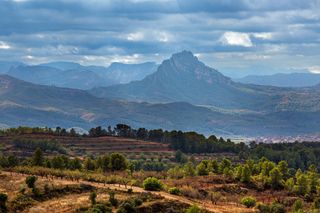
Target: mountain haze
283 79
74 75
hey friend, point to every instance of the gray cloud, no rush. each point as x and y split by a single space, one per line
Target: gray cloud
101 31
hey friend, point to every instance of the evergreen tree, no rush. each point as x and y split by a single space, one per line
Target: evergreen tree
275 179
245 174
38 159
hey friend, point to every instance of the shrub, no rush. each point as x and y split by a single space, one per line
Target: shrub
277 208
30 181
112 199
263 208
137 202
174 191
152 184
249 202
298 205
3 201
191 192
92 198
99 208
21 202
193 209
215 197
316 203
126 207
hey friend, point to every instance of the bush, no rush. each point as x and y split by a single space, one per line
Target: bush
3 201
152 184
298 205
99 208
316 203
277 208
191 192
137 202
193 209
174 191
112 199
249 202
92 198
21 202
263 208
30 181
126 207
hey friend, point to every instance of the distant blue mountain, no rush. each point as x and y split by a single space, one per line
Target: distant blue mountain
183 78
5 66
74 75
283 79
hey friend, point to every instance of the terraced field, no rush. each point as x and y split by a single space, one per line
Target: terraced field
81 146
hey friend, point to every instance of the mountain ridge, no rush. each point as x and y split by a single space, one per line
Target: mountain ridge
282 79
184 78
24 103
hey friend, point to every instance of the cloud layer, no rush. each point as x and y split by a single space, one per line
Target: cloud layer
243 36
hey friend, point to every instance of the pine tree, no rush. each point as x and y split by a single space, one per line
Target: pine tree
38 159
245 174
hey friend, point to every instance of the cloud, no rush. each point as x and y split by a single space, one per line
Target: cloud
101 31
236 39
264 36
314 69
4 45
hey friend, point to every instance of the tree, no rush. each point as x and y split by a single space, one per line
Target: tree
73 132
118 162
224 164
38 159
92 198
289 185
30 181
152 184
245 174
202 169
188 170
89 165
3 202
214 166
301 186
283 167
275 178
112 199
180 157
313 179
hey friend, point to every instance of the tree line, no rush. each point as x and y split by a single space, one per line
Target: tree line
298 155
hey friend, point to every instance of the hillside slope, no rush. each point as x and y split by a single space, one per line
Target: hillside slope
23 103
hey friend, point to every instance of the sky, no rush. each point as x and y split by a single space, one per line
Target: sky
237 37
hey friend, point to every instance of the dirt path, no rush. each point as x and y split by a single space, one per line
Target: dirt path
218 208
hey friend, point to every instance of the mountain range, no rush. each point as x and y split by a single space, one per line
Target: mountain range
74 75
182 94
283 79
184 78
